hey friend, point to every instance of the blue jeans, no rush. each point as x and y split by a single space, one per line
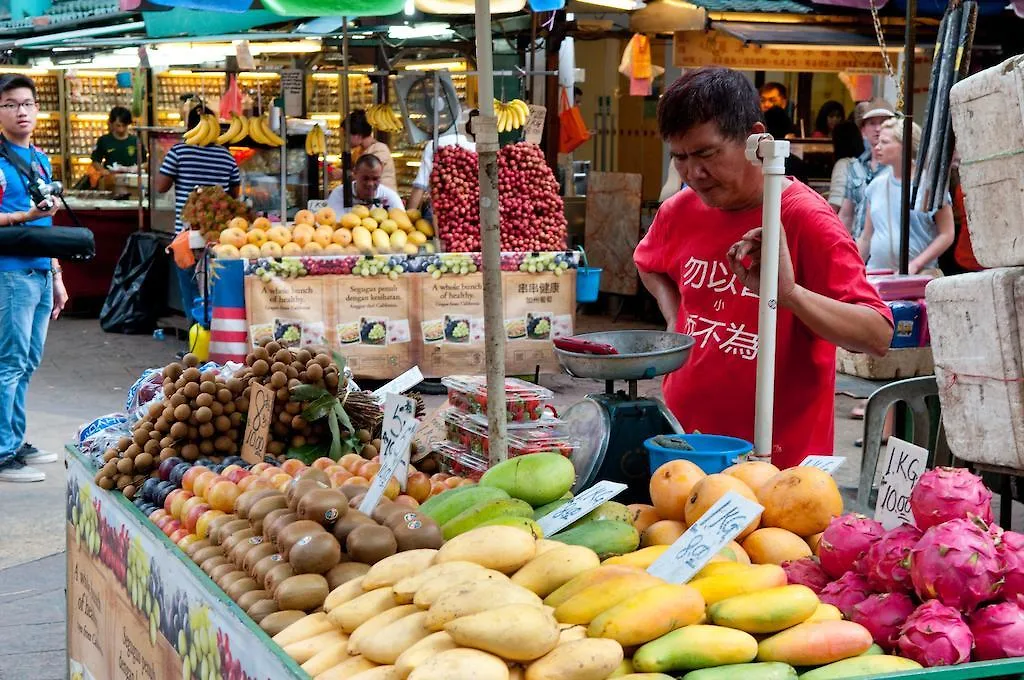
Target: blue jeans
26 299
189 288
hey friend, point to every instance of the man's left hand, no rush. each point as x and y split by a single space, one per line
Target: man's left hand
749 247
60 296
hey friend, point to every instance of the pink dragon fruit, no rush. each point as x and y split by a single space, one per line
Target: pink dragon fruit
946 493
845 541
935 635
998 631
885 563
884 614
957 563
806 572
850 589
1011 549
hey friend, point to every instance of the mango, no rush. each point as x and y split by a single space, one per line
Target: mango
586 579
461 663
393 569
814 644
361 238
770 670
549 508
720 569
585 606
873 650
503 549
446 506
474 597
388 644
649 614
694 647
422 651
590 659
607 510
641 559
380 240
537 478
625 668
429 593
347 669
405 590
522 523
372 626
825 612
480 513
861 666
723 586
765 611
549 571
643 676
606 537
515 632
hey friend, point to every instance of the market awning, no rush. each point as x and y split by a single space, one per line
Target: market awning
795 35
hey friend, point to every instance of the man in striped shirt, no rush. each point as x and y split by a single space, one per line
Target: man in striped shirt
186 167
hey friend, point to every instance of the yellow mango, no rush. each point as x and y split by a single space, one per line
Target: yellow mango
649 614
381 241
505 549
547 572
587 579
347 669
462 663
388 644
303 629
590 659
641 559
354 613
405 590
422 651
765 611
393 569
693 647
586 605
429 593
515 632
372 626
720 569
476 596
327 658
825 612
378 673
304 650
624 668
817 643
760 577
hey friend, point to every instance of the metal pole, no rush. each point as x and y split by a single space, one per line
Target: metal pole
910 41
283 120
346 153
486 129
771 154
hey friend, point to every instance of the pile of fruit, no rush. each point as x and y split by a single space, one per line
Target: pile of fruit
511 115
208 209
531 210
363 230
382 117
944 591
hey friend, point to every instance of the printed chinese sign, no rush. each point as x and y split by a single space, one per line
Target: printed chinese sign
698 48
736 339
537 309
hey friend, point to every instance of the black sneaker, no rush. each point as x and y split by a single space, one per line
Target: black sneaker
30 455
16 471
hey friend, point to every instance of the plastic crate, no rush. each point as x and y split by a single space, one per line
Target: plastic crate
541 436
523 401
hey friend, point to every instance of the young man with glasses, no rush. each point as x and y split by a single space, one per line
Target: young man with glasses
31 288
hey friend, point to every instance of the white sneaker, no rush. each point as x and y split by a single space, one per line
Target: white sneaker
30 455
16 471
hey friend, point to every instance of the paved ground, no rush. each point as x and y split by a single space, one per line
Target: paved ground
86 373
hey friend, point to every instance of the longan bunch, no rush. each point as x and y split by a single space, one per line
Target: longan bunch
283 368
202 415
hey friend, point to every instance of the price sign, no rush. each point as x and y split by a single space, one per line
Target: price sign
291 88
702 541
406 381
398 428
244 56
257 426
827 463
579 506
534 128
315 204
903 465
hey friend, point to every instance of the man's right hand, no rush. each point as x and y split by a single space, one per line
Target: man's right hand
34 213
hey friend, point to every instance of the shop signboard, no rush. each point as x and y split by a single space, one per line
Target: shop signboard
692 49
138 608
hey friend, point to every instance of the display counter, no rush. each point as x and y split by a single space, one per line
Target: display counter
137 607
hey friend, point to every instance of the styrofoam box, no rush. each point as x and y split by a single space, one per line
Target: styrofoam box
976 322
988 117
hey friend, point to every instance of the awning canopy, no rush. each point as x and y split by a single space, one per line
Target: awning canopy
796 36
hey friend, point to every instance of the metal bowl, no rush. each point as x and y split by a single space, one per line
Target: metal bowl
642 355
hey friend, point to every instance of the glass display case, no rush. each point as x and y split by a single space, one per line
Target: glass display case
89 96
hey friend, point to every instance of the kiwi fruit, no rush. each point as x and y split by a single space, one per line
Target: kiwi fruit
192 548
251 597
217 573
263 567
272 526
325 506
291 534
206 553
316 474
315 554
241 587
277 576
345 572
216 523
229 578
344 526
262 507
416 531
385 509
238 553
370 543
297 489
212 563
226 528
305 592
257 553
230 541
248 498
277 621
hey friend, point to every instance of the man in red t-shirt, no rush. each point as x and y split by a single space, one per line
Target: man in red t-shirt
700 260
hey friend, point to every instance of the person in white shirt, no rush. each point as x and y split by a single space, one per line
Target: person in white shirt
457 135
366 188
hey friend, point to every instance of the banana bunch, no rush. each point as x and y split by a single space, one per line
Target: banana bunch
205 133
259 130
511 115
383 118
236 132
316 143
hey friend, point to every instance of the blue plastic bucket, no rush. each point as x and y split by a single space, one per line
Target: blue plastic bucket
546 5
588 283
712 453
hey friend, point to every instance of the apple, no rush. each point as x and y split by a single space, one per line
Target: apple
190 476
157 515
191 503
322 463
258 468
203 523
175 500
170 526
193 515
185 541
222 495
178 536
236 475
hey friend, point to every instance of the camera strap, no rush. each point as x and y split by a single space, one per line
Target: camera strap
27 172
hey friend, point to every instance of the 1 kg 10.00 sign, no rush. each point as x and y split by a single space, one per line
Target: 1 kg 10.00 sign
257 426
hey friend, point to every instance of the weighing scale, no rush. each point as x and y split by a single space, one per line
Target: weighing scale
611 427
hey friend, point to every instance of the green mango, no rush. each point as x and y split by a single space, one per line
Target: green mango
549 508
448 507
609 510
861 666
767 670
537 478
483 513
606 537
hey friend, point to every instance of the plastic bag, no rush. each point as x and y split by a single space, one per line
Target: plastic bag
98 435
138 289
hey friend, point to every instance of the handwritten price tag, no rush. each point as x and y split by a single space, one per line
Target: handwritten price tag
534 128
827 463
315 204
406 381
257 426
904 464
399 427
702 541
579 506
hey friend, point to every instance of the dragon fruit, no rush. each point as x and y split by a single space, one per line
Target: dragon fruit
884 614
806 572
946 493
1011 549
885 563
998 631
957 563
850 589
935 635
845 541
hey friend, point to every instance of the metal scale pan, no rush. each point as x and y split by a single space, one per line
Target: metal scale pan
612 426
